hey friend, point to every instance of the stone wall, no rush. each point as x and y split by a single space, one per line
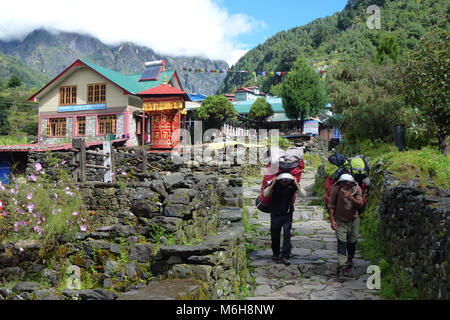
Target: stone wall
177 222
415 222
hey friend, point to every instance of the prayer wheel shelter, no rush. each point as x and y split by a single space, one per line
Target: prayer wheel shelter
164 110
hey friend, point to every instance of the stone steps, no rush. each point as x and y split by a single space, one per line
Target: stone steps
311 274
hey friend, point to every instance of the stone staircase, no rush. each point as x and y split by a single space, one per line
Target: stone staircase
312 272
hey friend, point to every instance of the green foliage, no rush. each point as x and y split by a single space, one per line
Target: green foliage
14 82
388 47
425 83
343 34
303 92
365 98
215 110
10 66
261 110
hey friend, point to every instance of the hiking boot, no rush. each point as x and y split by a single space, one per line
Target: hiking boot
276 257
341 273
285 261
350 263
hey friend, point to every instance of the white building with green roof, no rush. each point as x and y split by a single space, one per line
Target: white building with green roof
90 101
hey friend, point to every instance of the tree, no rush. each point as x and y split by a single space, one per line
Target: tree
261 110
365 101
215 110
425 83
14 82
303 92
388 47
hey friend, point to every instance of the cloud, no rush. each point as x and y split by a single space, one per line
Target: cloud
178 27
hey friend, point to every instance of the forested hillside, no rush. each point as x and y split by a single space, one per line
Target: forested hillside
344 35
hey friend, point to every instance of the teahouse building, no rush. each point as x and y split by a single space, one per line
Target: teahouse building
90 101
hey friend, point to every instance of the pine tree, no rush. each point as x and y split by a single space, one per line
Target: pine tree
303 92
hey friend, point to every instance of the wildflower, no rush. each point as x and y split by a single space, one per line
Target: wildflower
21 249
30 196
75 213
12 191
16 226
30 207
33 177
56 196
92 213
64 162
53 212
38 166
83 228
124 173
23 223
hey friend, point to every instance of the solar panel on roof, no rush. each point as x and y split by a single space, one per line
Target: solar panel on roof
151 73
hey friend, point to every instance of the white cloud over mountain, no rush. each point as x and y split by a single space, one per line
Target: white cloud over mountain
176 27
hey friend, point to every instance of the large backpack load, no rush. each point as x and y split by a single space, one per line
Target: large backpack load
289 161
356 166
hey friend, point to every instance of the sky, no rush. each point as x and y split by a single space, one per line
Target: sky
216 29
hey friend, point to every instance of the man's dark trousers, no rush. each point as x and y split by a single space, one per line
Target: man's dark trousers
277 222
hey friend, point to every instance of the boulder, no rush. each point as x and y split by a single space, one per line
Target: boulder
27 286
142 252
8 261
146 208
170 224
176 210
173 180
179 196
97 294
158 186
47 294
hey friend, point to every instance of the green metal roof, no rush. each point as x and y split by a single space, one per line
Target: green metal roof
244 106
130 82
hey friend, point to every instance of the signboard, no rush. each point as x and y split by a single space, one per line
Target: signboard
311 126
82 107
161 105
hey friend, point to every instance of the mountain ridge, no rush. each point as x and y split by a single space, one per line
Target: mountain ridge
51 52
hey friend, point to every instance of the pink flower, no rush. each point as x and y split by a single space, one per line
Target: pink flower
56 196
33 177
75 213
21 249
83 228
124 173
30 207
29 196
38 166
53 212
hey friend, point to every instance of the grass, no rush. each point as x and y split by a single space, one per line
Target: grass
427 165
12 140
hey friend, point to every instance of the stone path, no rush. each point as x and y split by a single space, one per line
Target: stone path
312 273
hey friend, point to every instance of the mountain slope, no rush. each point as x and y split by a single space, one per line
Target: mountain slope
342 34
52 52
30 77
